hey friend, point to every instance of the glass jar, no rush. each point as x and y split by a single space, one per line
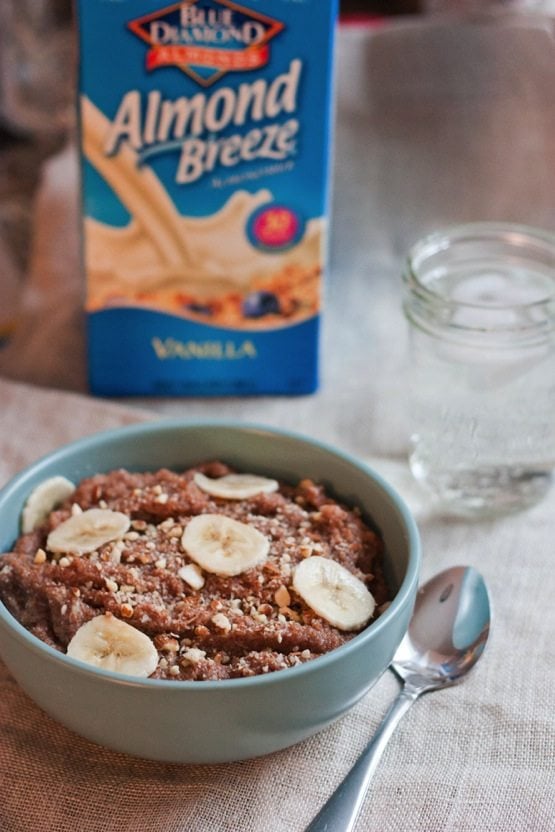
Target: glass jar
480 300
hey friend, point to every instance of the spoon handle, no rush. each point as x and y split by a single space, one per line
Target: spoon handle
340 812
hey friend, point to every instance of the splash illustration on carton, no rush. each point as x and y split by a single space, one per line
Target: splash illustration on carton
204 167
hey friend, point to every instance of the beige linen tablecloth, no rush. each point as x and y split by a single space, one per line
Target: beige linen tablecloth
477 757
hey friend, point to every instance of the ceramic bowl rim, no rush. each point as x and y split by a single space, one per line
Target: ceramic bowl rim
87 443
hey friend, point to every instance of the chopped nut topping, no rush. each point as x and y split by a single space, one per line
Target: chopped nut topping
166 644
116 552
193 655
282 597
40 556
111 585
162 498
161 563
64 561
76 509
129 588
174 670
131 536
126 610
192 575
221 621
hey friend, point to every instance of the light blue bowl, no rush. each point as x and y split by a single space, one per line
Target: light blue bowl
208 722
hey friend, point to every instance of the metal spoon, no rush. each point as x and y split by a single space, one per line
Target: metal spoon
446 636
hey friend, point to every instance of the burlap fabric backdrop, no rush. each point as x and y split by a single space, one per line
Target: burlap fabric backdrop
477 757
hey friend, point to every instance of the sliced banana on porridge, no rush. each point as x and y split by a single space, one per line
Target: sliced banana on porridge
43 499
236 486
222 545
83 533
111 644
334 593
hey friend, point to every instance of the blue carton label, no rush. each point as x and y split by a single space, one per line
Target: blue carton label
205 129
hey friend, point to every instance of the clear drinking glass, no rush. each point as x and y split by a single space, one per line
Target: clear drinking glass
480 300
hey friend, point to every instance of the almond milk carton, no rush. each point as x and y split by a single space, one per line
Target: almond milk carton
205 132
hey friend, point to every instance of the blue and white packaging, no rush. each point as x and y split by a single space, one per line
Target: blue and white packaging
205 141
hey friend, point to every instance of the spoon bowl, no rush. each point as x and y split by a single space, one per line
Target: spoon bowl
446 636
448 630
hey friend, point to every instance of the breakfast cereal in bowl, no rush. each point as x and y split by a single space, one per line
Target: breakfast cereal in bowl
197 575
201 593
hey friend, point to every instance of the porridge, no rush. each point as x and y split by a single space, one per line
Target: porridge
205 574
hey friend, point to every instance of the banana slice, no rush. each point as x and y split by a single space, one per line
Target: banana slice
236 486
42 500
85 532
107 642
222 545
333 593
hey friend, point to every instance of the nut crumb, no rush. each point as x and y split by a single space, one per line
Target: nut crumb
221 621
166 644
192 575
282 597
131 536
193 655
